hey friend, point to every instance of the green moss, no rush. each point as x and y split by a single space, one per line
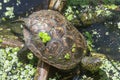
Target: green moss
44 36
6 1
67 56
30 56
50 57
0 6
73 48
10 12
1 40
109 70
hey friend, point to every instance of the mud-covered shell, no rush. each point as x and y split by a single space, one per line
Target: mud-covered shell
67 45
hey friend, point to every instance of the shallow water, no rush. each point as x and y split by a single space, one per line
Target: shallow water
106 39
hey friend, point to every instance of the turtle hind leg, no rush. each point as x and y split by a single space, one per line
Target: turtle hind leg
42 71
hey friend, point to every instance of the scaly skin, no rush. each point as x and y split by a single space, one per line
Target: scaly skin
91 63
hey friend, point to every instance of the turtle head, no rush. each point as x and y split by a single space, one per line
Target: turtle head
91 63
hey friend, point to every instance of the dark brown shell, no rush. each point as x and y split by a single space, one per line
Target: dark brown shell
63 37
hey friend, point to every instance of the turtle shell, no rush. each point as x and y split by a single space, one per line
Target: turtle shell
65 48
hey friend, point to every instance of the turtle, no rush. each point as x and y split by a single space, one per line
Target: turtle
56 42
66 47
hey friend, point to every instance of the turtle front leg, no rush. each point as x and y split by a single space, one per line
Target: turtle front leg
22 53
42 71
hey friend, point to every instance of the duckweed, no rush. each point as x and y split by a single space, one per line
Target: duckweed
13 69
44 36
73 48
1 40
67 56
